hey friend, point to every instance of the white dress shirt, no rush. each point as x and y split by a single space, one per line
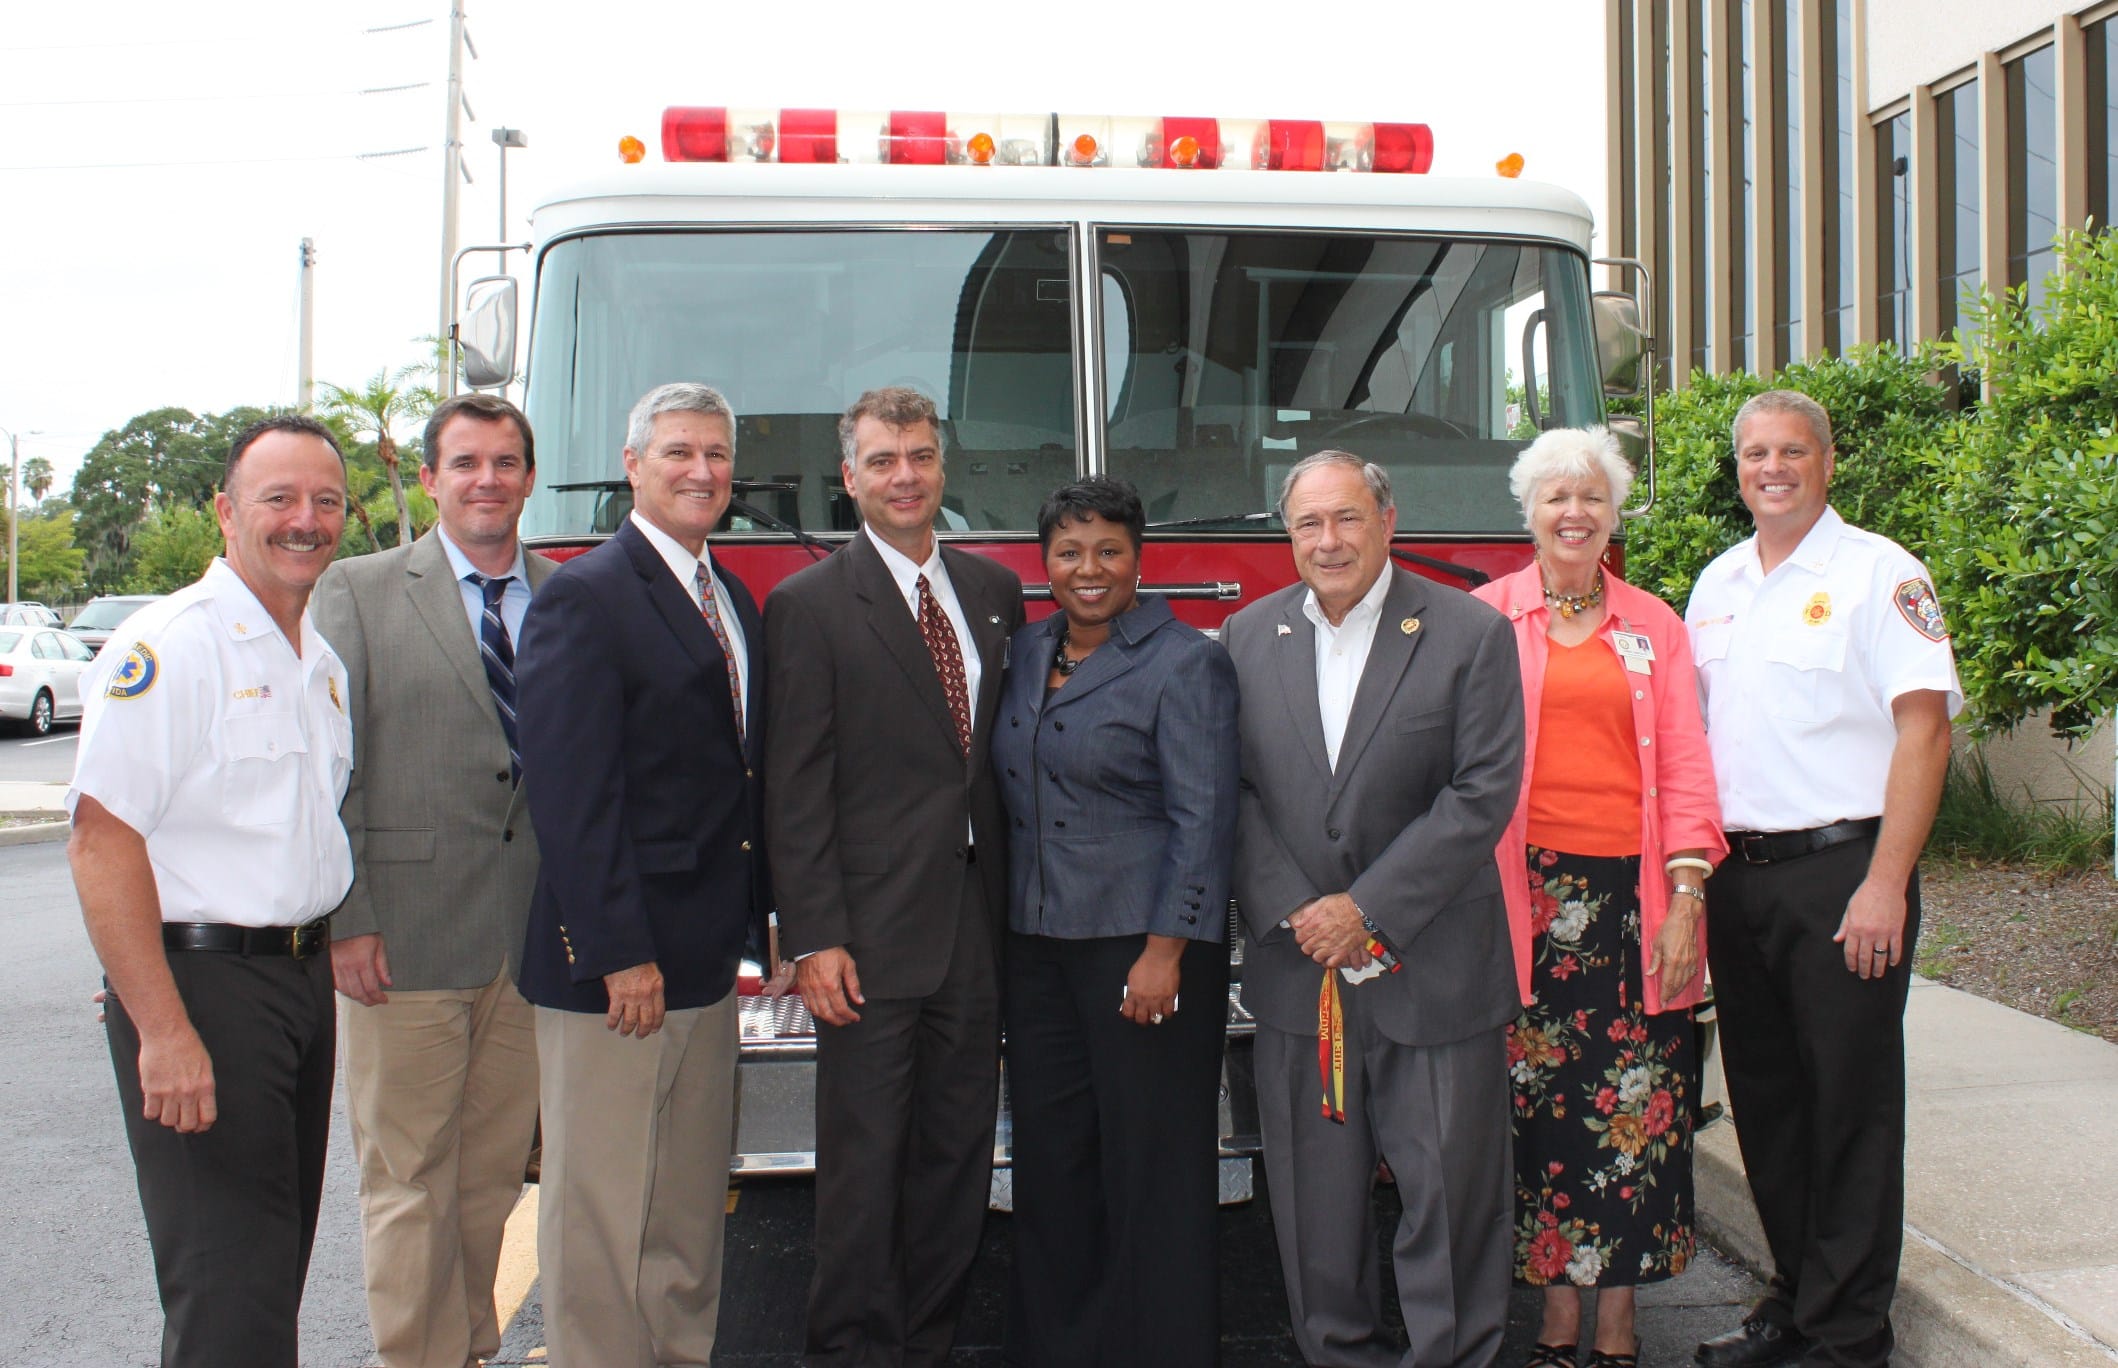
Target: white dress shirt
1798 670
685 567
1341 655
906 575
204 732
514 600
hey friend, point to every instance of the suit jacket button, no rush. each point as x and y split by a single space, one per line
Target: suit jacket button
1333 833
508 835
502 776
746 845
1058 726
1061 823
748 775
1011 773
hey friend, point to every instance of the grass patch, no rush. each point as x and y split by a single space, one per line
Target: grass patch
1979 823
1937 942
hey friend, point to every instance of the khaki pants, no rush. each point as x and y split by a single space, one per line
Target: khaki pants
441 1091
637 1139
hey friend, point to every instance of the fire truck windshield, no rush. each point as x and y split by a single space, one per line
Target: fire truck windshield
1221 358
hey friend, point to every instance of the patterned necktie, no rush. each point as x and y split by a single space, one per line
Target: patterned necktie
498 655
948 661
712 610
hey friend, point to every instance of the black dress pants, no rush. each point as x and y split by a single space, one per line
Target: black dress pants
1116 1158
231 1211
1815 1061
905 1103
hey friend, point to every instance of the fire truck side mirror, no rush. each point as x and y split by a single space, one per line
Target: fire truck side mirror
1624 351
486 332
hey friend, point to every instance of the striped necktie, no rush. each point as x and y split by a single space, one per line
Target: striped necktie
712 610
497 653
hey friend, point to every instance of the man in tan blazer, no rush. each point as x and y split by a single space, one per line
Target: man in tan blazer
440 1048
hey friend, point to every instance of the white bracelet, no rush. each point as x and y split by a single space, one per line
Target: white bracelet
1705 867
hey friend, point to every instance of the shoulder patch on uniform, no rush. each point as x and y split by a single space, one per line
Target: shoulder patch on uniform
135 674
1915 599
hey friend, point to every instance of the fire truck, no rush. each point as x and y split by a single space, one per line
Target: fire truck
1191 304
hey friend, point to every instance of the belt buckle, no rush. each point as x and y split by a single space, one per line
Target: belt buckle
307 940
1744 847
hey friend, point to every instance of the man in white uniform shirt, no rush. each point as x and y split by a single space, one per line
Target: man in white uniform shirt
441 1050
208 854
1829 683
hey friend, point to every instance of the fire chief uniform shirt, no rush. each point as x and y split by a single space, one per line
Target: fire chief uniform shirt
204 732
1798 670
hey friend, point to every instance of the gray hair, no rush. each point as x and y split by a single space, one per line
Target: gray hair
895 406
1783 401
1376 478
680 396
1570 454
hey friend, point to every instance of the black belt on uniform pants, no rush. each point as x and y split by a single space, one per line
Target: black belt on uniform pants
1770 847
310 938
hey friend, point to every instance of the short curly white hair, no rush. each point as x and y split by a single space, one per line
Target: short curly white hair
1570 454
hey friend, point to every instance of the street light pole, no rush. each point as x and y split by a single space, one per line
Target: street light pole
506 138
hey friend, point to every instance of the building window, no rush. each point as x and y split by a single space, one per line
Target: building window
1744 304
1893 225
1705 94
1956 180
1663 187
1841 279
2033 174
2103 123
1787 174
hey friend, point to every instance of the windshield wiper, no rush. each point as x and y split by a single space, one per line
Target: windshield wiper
1469 574
1210 521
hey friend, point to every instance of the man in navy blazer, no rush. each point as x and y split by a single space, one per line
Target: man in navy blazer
642 680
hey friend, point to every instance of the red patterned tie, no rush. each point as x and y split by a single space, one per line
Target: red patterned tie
712 610
948 661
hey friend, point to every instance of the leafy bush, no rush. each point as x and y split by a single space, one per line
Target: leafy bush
1977 822
2025 541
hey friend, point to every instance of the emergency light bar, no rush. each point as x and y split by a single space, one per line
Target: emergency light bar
926 138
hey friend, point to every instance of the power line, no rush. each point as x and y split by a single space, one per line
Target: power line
198 40
216 161
215 99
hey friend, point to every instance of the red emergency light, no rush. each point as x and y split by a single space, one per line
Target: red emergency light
935 138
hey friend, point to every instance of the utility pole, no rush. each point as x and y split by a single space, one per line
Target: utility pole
14 509
451 172
305 369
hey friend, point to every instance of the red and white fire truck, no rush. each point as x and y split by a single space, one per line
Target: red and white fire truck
1173 301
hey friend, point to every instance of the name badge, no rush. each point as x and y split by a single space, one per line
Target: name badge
1635 650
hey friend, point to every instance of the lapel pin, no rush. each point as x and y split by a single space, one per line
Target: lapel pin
994 619
1408 626
1285 630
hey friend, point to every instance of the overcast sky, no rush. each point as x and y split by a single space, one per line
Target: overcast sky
160 163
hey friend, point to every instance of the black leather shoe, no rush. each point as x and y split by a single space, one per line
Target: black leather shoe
1756 1343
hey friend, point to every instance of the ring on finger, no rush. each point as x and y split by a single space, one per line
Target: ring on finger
1156 1018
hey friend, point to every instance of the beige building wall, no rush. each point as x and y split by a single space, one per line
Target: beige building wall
1918 42
2031 762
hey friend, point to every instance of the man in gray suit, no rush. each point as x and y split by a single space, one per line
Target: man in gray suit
1382 750
441 1050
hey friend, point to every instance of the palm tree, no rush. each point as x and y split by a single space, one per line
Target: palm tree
384 402
37 477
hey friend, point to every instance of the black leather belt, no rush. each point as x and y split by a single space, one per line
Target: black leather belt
310 938
1771 847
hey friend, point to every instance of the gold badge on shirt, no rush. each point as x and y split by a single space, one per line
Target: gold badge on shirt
1817 611
332 685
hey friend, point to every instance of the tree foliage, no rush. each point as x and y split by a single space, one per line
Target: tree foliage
173 548
2026 524
376 410
51 563
37 477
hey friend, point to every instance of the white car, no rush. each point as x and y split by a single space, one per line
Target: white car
40 676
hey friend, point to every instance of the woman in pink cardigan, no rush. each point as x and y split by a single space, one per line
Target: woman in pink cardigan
1613 837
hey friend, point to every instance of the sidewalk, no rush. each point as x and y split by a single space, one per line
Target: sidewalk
39 809
2011 1190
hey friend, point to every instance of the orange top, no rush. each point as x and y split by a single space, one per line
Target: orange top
1585 782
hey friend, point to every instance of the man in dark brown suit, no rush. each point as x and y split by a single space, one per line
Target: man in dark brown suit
885 832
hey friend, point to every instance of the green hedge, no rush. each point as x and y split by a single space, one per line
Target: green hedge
2012 501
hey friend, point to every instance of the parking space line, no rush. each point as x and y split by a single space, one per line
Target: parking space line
52 740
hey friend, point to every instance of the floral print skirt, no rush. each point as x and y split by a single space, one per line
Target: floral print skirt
1603 1091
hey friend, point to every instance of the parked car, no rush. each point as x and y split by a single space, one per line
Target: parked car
28 613
104 613
40 676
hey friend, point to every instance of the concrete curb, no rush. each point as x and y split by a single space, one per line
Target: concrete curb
36 833
1947 1313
